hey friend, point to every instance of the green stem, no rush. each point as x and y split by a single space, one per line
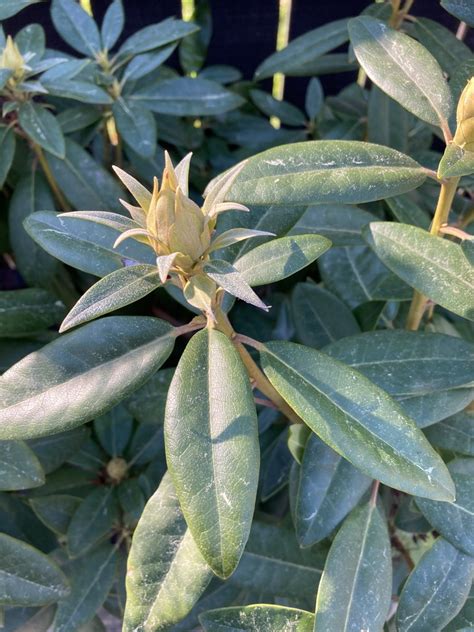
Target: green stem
445 200
61 200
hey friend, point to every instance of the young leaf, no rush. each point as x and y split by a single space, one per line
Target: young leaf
42 127
215 474
184 96
357 419
356 585
163 556
76 27
27 576
279 258
93 520
136 125
116 290
112 25
228 277
62 385
24 312
19 467
92 577
304 50
455 520
258 617
402 68
329 488
434 266
347 172
407 362
436 589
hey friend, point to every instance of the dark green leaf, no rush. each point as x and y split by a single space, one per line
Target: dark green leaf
258 617
455 433
76 27
388 123
356 585
112 25
147 404
137 126
27 576
155 36
433 407
434 266
114 429
216 473
77 118
456 161
55 511
286 112
163 557
229 278
7 151
19 467
347 172
402 68
9 8
53 451
436 589
329 488
62 385
42 127
408 212
314 99
25 312
143 64
93 520
357 419
461 9
83 91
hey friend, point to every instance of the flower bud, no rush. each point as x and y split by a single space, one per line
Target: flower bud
12 59
464 136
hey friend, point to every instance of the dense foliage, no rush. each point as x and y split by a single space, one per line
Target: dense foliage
237 384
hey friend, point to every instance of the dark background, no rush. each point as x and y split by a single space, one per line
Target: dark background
244 31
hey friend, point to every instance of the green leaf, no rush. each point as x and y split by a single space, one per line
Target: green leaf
93 520
456 161
464 621
163 556
215 474
76 27
9 8
319 316
357 419
156 35
340 223
304 50
402 68
407 362
436 589
114 429
228 277
356 585
434 266
461 9
24 312
144 64
62 385
55 511
258 617
52 451
147 404
329 487
116 290
27 576
112 25
337 172
137 126
286 112
455 433
5 74
314 99
35 265
78 118
84 246
407 211
85 183
7 151
277 259
19 467
455 520
184 96
388 123
42 127
433 407
92 577
83 91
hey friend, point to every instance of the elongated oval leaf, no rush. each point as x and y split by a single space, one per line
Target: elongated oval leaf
280 258
76 27
320 171
408 363
356 586
137 127
304 50
163 557
92 520
11 7
116 290
258 617
212 447
42 127
88 246
19 467
7 151
55 511
436 589
434 266
227 277
462 9
156 35
402 68
329 488
24 312
357 419
68 382
455 520
27 576
112 24
455 433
